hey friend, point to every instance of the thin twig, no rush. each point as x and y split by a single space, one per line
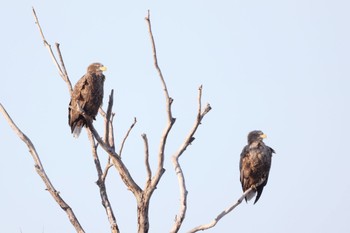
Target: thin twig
178 170
108 125
105 172
126 136
40 170
226 211
148 167
53 57
102 186
63 68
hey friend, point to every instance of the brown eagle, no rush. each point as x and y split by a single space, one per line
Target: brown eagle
86 98
255 163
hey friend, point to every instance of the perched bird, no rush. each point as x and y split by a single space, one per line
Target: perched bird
86 98
255 163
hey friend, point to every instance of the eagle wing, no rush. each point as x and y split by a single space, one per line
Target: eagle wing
255 165
83 94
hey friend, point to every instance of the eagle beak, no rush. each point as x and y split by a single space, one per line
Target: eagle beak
103 68
263 136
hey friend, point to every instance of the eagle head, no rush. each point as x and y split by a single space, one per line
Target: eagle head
256 136
96 68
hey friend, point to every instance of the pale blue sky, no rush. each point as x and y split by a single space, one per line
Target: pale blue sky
278 66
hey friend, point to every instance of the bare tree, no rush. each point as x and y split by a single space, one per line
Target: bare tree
107 143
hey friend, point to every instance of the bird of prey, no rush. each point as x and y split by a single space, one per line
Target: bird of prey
254 164
86 98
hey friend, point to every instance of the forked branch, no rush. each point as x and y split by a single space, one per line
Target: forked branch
61 68
168 100
178 170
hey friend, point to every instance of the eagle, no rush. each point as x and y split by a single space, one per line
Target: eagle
255 164
86 98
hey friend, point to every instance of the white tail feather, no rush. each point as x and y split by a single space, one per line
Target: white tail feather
76 131
250 195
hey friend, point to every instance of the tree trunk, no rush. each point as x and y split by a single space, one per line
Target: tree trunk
142 214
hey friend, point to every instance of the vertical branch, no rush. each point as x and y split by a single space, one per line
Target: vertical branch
109 137
148 168
169 101
40 170
102 186
178 170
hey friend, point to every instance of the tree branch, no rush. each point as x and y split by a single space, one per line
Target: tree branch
226 211
171 120
109 136
40 170
126 136
102 186
178 170
118 164
148 168
61 71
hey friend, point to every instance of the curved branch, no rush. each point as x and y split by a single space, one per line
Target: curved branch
40 170
126 136
178 170
226 211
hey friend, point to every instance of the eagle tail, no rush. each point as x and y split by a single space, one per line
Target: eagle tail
77 130
250 196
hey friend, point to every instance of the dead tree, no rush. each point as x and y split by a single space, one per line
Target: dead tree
107 143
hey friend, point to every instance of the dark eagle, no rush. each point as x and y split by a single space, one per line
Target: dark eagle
86 98
255 163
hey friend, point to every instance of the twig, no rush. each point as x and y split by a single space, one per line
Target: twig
109 137
105 172
63 67
148 167
178 170
126 136
40 170
53 57
102 186
226 211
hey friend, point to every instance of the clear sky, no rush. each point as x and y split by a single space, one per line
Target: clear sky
278 66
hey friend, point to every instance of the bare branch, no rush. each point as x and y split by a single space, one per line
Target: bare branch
61 71
148 168
105 172
63 67
169 101
102 186
40 170
109 137
117 162
178 170
126 136
226 211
